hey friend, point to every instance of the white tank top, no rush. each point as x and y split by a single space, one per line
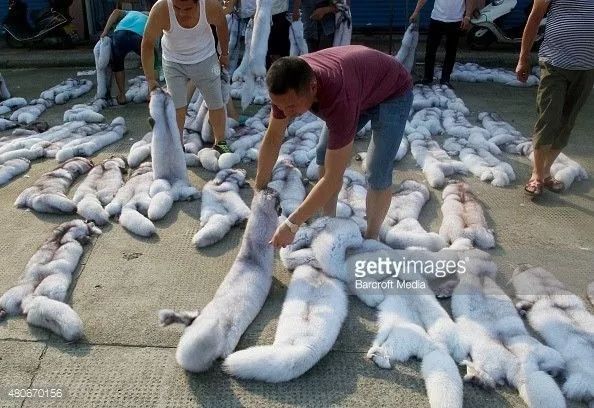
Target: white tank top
187 45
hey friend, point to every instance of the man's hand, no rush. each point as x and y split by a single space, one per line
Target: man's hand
103 34
296 15
282 237
224 60
319 13
152 85
465 24
523 70
413 17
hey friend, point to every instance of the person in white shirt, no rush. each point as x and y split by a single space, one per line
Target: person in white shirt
447 18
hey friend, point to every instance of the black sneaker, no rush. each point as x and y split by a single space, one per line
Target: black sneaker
222 147
446 83
424 82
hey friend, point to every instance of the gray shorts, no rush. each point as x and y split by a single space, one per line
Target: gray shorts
206 75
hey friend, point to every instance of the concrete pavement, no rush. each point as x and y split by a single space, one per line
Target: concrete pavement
127 360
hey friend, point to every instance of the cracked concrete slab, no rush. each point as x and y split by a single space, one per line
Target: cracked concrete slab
19 361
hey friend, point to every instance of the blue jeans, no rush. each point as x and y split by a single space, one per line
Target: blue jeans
388 120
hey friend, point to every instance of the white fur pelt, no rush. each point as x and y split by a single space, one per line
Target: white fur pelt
91 144
140 150
48 193
561 319
215 332
298 44
138 92
98 189
487 167
313 312
12 168
171 182
435 162
234 27
287 181
43 287
401 228
343 23
6 124
102 53
132 201
30 113
472 72
304 134
463 217
428 118
222 207
439 96
408 48
66 90
12 103
565 169
88 113
242 70
502 133
500 349
4 92
402 150
352 198
456 125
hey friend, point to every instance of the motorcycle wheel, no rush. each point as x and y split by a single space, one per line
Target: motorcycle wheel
482 42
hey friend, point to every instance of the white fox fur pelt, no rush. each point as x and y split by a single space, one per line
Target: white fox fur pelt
472 72
215 332
298 44
30 113
66 90
6 124
428 118
88 113
222 207
140 150
98 189
13 103
402 150
302 146
91 144
287 181
439 96
313 312
561 319
463 217
487 167
344 24
102 53
501 350
4 92
138 91
12 168
260 34
407 202
498 127
48 193
234 26
132 201
352 198
456 125
43 287
435 162
171 182
408 48
242 69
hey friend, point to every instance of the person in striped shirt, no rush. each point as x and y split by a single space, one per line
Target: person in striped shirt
566 59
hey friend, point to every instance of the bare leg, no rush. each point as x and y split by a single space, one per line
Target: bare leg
541 155
120 78
218 119
553 153
231 111
180 116
377 205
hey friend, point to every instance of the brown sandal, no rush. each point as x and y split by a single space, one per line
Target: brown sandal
533 188
554 185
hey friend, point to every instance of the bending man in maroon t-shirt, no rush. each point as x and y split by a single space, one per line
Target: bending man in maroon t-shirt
346 87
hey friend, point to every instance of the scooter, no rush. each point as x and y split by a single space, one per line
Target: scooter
488 26
49 29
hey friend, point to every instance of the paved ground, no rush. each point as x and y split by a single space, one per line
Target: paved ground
127 360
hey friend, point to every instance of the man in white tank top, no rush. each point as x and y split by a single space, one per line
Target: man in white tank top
189 55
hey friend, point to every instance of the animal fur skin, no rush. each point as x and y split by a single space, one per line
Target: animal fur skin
98 189
48 193
287 180
487 167
298 43
43 287
313 312
138 91
471 72
222 207
219 326
562 320
463 217
140 150
4 92
500 348
87 146
406 53
30 113
132 201
435 162
12 168
66 90
171 181
344 25
102 53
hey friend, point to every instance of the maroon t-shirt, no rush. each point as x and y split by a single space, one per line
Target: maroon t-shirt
351 79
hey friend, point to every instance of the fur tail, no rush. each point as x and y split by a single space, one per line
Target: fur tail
91 209
160 205
53 203
442 380
53 315
168 316
541 391
578 386
136 223
215 229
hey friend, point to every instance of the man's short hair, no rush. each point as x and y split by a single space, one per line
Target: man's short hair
289 73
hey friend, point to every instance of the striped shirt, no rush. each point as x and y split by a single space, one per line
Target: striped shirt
569 35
